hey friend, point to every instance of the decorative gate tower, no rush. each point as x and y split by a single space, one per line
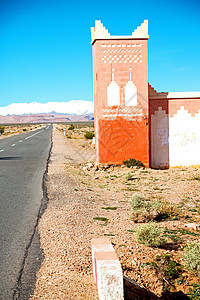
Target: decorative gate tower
120 74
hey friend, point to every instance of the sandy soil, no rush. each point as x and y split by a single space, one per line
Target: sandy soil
79 191
10 130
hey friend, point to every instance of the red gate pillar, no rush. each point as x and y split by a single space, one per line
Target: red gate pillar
120 78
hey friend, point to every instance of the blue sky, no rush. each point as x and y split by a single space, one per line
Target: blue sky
46 55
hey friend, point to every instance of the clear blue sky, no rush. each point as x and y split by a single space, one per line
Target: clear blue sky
46 55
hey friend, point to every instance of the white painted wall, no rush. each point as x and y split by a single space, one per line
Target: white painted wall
175 141
184 139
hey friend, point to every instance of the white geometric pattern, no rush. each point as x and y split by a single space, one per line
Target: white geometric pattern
130 53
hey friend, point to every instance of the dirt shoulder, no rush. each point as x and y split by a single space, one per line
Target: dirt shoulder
88 201
65 236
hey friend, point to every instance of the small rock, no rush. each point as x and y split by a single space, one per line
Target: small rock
193 226
90 165
134 262
96 177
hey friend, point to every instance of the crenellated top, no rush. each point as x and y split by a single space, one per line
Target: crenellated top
100 32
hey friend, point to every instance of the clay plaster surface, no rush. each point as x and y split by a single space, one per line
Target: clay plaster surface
160 140
184 139
175 141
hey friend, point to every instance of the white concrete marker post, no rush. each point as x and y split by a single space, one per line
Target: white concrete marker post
107 270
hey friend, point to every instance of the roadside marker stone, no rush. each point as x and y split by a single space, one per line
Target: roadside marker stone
107 270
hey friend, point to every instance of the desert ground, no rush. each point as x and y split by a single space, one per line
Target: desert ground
9 130
87 200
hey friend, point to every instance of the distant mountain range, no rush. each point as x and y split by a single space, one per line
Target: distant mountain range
72 111
73 107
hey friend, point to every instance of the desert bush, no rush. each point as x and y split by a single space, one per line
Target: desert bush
149 235
71 127
2 129
89 135
132 162
196 177
128 176
142 216
169 268
192 257
24 129
194 292
138 202
166 210
145 210
166 269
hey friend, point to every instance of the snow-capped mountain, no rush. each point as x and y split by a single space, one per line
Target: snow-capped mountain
75 107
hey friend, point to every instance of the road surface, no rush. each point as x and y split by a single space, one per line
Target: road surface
23 163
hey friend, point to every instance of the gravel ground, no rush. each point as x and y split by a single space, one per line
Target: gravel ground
66 271
79 192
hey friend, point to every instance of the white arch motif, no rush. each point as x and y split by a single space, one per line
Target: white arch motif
113 93
130 93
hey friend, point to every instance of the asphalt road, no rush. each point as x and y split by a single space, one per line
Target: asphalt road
23 163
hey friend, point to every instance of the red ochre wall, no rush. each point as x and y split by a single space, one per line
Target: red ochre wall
121 139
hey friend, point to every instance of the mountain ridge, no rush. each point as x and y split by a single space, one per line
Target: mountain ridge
45 118
72 107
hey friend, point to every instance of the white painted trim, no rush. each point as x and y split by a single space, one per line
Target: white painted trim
183 95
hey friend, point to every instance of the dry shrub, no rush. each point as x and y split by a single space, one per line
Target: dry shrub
145 210
167 210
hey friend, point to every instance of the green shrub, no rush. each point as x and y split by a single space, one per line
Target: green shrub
138 202
2 129
143 209
89 135
149 235
132 162
128 176
194 293
167 269
192 257
71 127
